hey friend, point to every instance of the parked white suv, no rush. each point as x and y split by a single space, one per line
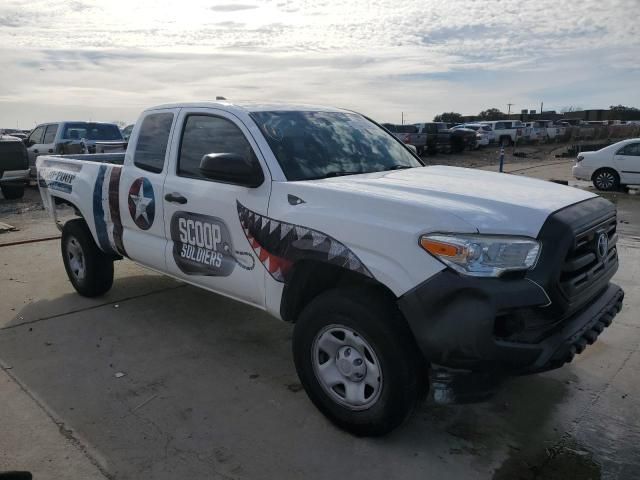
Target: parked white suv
537 132
612 166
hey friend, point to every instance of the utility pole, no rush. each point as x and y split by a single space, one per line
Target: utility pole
541 105
509 107
402 118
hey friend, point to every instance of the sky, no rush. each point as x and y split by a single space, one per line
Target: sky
109 60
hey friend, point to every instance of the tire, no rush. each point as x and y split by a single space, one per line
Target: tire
505 141
12 193
606 179
457 145
90 270
359 325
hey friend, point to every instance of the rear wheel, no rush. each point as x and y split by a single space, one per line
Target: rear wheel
457 145
606 179
89 269
357 360
12 193
505 141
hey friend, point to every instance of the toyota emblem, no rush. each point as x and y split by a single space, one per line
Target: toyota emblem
602 247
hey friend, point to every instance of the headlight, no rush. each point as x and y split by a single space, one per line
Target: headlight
482 255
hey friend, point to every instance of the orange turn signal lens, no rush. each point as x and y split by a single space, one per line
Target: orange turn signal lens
440 249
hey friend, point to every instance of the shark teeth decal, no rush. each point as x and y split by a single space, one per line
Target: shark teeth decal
278 245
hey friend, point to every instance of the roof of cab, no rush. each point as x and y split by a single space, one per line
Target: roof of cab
249 107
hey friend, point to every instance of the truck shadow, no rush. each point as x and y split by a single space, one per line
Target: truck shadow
180 383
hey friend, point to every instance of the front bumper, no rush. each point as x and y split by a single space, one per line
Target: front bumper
582 173
458 323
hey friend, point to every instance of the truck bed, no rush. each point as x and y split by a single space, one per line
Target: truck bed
113 158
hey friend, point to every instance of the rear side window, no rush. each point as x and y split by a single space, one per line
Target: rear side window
50 133
91 131
204 134
633 149
406 129
153 138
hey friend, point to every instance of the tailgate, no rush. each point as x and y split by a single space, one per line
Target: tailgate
13 156
108 147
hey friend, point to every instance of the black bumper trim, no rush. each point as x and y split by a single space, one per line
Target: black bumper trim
576 334
453 319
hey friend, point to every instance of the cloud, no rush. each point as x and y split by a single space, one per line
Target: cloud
382 57
10 21
232 7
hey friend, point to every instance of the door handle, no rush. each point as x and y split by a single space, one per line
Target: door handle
35 151
51 150
175 198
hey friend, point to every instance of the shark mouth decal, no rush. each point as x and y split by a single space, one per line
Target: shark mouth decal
278 245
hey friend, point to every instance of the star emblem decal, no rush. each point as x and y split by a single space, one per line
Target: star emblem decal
142 203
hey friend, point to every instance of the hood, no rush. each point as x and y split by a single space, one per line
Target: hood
490 202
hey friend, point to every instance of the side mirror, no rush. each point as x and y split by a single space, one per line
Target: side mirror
26 141
231 168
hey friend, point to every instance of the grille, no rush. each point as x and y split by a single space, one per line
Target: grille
587 262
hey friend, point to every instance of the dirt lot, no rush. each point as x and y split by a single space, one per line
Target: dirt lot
489 156
161 380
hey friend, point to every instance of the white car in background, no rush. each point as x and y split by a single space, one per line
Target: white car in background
612 166
484 134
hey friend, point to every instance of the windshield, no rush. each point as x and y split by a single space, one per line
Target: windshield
311 145
91 131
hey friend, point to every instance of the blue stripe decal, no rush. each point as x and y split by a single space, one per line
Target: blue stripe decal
98 212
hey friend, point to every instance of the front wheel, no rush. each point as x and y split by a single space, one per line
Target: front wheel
358 361
89 269
606 179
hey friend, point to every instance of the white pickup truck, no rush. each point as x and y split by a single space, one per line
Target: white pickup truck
399 277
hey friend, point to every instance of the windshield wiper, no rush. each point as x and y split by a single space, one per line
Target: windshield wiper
337 173
398 167
342 173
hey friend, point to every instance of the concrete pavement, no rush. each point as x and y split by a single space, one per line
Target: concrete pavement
209 391
34 440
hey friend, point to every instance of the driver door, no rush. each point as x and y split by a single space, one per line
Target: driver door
206 244
627 162
33 143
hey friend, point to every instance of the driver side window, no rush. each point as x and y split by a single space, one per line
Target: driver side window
35 137
205 134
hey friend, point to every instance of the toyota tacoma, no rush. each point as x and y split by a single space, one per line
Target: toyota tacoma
400 278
